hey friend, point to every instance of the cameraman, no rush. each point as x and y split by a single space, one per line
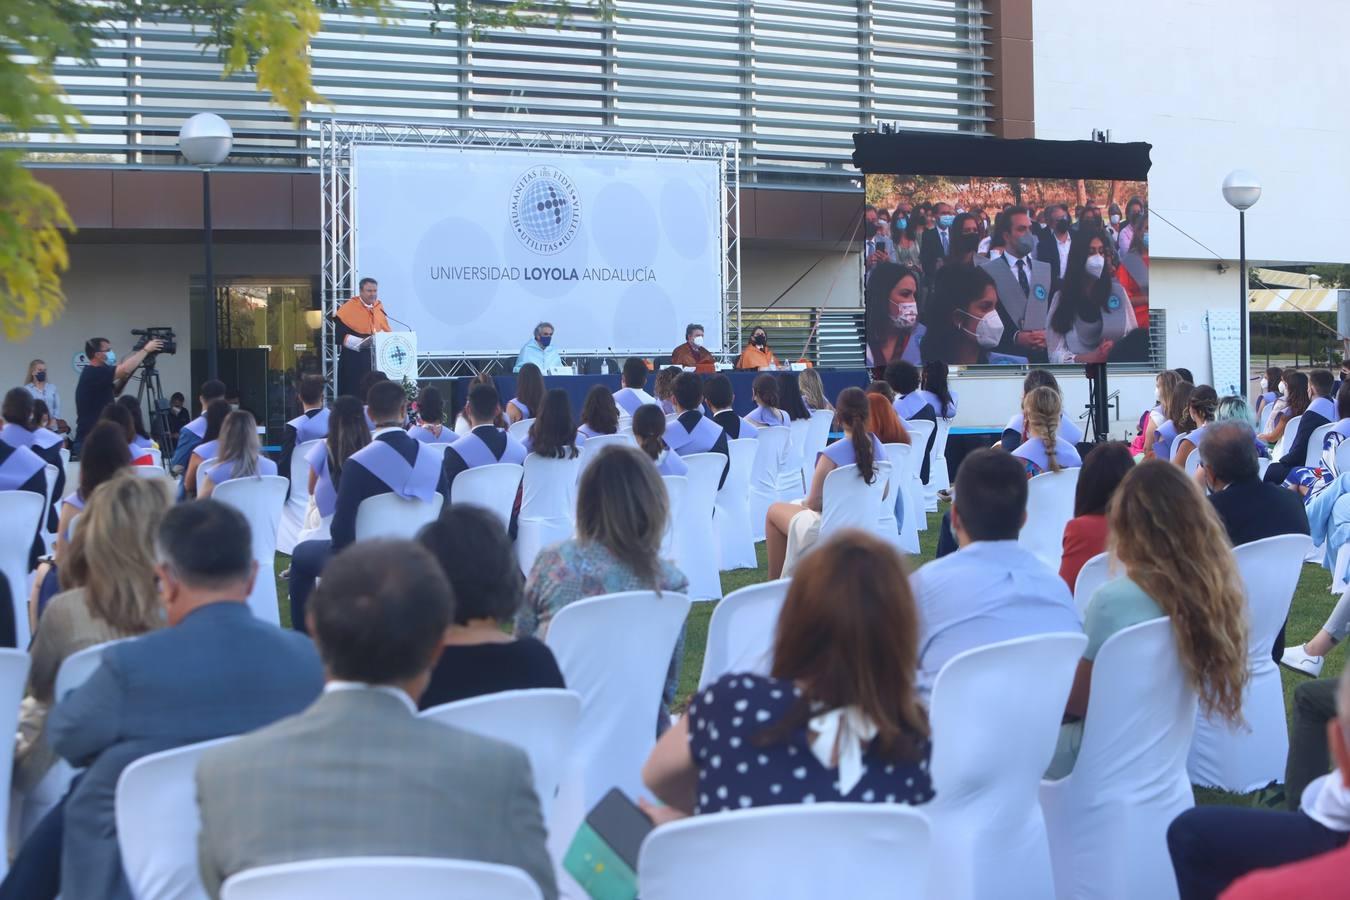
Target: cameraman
102 380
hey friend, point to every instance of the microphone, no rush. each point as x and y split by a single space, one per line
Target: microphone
399 321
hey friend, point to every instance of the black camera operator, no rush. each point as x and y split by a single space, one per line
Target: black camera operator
103 379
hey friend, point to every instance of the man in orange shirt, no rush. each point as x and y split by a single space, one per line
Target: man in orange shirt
356 322
757 354
692 354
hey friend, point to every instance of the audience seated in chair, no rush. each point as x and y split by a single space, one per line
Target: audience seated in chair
431 427
1320 410
214 671
1289 854
1178 564
552 434
599 414
1085 535
719 396
238 454
1203 405
310 425
991 589
21 429
622 511
194 432
633 392
837 719
813 391
477 655
486 443
1014 433
1044 450
529 394
883 422
205 449
358 773
649 430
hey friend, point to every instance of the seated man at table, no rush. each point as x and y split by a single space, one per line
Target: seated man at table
486 443
540 351
717 392
692 354
633 393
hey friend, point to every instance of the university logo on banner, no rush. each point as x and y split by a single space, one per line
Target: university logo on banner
545 209
397 355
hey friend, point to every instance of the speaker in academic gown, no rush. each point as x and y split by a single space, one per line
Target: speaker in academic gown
354 323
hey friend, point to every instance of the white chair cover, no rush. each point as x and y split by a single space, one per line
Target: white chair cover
676 485
995 717
156 457
22 512
50 474
938 477
260 499
157 823
793 852
1287 438
1107 821
1095 573
395 877
13 679
695 541
491 487
817 436
519 430
152 472
1049 509
548 504
1313 457
847 502
741 631
199 479
593 445
920 430
771 450
791 484
542 722
614 651
731 517
392 516
897 523
1252 755
297 504
1192 461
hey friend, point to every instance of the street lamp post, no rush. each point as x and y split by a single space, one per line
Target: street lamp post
205 141
1242 190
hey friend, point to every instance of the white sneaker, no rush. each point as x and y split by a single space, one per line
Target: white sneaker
1297 658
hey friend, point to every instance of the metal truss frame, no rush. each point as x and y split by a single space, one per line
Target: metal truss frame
337 191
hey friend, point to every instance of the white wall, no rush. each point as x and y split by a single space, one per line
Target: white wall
1214 85
112 288
768 271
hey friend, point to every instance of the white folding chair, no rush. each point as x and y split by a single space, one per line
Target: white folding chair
771 450
614 650
741 631
155 806
1313 457
1287 438
695 541
492 487
791 485
260 498
1107 821
847 502
817 436
1049 509
13 680
392 516
519 430
775 853
401 877
22 513
897 523
995 717
542 722
1095 573
731 517
297 504
920 430
938 477
1251 755
548 502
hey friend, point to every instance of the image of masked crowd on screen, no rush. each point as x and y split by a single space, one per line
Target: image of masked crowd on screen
974 271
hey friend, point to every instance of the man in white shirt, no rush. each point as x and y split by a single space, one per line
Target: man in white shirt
991 589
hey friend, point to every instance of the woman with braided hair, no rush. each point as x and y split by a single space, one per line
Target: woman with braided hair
1044 450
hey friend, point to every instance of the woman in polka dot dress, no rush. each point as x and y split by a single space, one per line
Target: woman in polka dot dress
837 719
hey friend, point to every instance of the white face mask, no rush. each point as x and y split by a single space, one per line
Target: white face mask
989 331
904 315
1284 389
698 340
1265 385
1157 395
1094 266
1115 220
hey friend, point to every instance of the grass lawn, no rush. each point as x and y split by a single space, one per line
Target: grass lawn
1312 603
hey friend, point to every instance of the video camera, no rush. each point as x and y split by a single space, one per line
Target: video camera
156 333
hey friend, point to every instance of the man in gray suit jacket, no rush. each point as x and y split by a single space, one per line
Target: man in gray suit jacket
358 773
215 671
1024 287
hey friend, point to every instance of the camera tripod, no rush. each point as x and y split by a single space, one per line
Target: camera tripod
150 388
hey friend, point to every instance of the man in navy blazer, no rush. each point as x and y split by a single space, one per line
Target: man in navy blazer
214 671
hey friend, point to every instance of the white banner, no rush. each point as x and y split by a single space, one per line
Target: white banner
472 248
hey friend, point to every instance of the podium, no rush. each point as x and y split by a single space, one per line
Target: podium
395 354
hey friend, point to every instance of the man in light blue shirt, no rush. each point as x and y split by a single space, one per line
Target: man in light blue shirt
540 350
992 589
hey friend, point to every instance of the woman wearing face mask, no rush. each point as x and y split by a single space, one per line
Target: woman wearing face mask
1113 225
1091 310
36 383
1270 392
893 328
963 320
908 234
757 354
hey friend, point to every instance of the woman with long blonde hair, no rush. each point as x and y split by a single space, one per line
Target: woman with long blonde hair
1044 450
239 454
108 592
1178 563
813 390
1163 385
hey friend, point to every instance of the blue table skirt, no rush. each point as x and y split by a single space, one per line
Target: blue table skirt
578 385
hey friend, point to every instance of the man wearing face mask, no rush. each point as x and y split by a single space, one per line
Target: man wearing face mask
757 354
1054 245
692 354
102 379
1024 287
540 351
937 241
